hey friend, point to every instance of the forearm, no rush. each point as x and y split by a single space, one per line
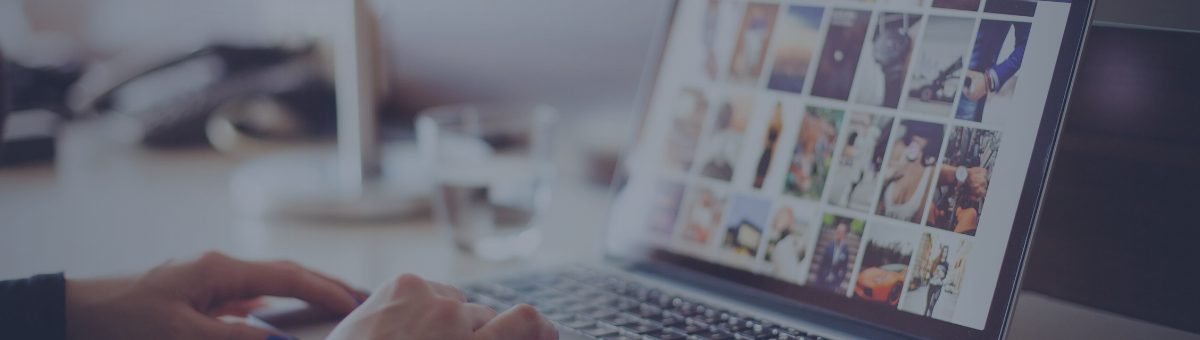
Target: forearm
946 173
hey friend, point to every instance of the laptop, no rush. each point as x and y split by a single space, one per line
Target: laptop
5 98
826 170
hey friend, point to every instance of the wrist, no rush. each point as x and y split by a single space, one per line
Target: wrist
947 172
76 305
991 79
84 306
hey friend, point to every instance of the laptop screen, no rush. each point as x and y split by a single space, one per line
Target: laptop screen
881 160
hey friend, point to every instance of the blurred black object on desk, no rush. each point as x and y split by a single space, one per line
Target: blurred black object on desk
34 105
1119 224
170 104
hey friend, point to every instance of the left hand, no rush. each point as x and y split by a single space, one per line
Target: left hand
182 300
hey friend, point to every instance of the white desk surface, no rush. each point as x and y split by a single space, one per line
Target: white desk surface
106 207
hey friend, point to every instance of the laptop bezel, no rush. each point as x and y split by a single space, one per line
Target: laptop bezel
725 279
5 98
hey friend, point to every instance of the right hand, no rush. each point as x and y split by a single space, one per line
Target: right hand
977 182
409 307
978 86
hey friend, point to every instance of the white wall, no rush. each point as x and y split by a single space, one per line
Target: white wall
581 56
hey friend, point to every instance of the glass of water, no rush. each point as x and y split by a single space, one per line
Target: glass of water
493 168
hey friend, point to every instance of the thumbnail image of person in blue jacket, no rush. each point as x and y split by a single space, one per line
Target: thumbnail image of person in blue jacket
987 73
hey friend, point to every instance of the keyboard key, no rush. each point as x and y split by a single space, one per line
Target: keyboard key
647 311
693 329
672 321
620 320
521 286
644 328
708 319
600 312
759 332
686 308
712 335
737 325
470 295
614 285
663 301
579 306
578 322
547 293
632 290
666 334
796 332
600 331
556 314
628 304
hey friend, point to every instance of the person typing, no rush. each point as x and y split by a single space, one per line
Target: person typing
183 300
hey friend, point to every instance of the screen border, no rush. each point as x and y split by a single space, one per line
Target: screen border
861 313
5 98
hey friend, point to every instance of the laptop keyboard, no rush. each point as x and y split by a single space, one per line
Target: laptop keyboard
607 307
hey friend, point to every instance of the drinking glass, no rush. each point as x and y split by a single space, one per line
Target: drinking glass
493 170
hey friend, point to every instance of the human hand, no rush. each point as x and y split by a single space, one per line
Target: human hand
412 308
978 85
182 300
977 182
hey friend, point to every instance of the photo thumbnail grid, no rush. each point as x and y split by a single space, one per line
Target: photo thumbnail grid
863 106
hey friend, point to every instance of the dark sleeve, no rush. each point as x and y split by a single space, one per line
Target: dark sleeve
34 308
988 41
1010 66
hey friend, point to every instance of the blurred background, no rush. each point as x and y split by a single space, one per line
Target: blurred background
129 118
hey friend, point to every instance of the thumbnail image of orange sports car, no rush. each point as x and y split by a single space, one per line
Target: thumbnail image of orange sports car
937 275
886 256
